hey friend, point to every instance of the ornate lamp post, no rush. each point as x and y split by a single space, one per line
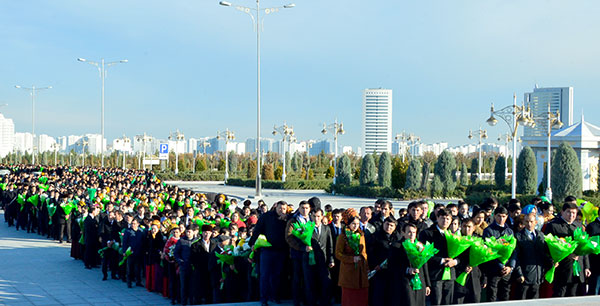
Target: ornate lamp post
287 134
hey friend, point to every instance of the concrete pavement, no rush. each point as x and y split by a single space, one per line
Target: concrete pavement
39 271
271 196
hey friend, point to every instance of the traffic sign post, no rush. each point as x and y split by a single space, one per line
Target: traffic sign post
163 151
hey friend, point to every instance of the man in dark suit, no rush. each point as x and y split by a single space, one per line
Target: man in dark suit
200 256
90 234
316 277
414 217
106 240
134 238
336 228
498 274
298 250
216 274
272 224
532 258
378 252
378 220
565 282
593 229
441 290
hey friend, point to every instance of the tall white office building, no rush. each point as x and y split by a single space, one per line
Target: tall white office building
559 98
377 120
7 135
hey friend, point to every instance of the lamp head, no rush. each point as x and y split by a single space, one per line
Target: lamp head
225 3
124 61
470 134
274 132
290 5
492 120
82 59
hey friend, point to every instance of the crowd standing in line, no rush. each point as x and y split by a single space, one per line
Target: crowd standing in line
196 248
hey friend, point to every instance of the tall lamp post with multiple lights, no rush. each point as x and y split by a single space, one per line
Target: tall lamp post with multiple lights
177 137
287 134
336 128
102 69
482 134
507 137
124 141
256 15
33 91
409 139
552 120
514 116
228 135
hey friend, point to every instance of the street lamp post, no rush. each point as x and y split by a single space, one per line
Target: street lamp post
55 146
33 91
102 69
255 14
507 137
124 141
177 136
409 139
287 134
83 144
513 115
228 135
482 134
553 119
336 128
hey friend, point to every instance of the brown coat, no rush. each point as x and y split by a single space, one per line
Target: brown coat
353 276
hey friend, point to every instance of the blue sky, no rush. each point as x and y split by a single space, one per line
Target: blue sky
192 64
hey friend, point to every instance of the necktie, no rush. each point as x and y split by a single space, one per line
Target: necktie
532 236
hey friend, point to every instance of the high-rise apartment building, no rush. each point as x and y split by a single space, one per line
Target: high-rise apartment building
377 120
559 98
7 135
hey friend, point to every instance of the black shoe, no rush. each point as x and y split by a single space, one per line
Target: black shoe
139 284
128 285
114 277
104 278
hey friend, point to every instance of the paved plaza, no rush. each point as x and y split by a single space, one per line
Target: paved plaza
39 271
271 196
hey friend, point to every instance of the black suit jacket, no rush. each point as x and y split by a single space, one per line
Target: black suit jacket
532 257
564 272
593 229
322 244
398 264
436 269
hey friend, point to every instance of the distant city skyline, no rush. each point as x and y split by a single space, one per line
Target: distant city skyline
192 64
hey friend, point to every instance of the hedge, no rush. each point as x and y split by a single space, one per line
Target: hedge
320 184
356 190
189 176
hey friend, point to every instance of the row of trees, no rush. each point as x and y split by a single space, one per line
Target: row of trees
415 174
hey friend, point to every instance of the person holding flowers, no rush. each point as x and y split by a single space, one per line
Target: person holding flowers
498 273
402 272
532 259
593 229
469 289
299 249
442 289
350 250
566 283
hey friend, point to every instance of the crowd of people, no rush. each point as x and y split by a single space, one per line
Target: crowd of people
196 248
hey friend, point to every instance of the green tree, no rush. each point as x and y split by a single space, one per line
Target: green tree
527 172
251 170
329 172
499 174
413 175
464 177
367 171
399 169
279 172
200 164
267 172
344 170
425 176
233 161
296 161
384 174
566 176
444 169
437 187
474 171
